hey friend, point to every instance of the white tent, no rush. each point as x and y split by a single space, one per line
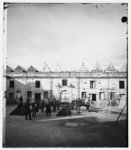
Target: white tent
123 68
110 68
83 68
97 68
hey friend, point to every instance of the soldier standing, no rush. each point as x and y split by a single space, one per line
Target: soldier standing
58 104
42 105
48 108
34 109
54 105
28 109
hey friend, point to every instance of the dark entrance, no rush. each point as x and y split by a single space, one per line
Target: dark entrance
11 98
46 95
29 94
94 97
37 97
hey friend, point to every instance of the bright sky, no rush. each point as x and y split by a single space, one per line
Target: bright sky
67 34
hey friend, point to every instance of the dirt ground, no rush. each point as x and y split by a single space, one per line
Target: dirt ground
88 129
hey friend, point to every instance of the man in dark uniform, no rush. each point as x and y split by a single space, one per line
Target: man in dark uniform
42 105
54 105
21 100
28 109
48 108
20 105
58 104
34 109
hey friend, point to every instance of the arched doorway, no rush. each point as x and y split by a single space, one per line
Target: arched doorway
64 96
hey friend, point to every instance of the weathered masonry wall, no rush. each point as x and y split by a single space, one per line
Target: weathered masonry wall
94 85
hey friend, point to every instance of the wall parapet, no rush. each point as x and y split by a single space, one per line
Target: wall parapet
68 75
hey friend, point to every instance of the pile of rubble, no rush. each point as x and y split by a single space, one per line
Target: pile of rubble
66 110
19 110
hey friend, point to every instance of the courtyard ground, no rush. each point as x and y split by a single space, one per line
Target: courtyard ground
88 129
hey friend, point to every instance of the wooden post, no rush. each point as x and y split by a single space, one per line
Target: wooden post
119 116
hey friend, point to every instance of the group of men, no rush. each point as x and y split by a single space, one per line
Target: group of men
80 102
32 108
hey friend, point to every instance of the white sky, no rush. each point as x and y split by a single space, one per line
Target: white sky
67 34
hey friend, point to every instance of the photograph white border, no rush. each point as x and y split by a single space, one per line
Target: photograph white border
3 55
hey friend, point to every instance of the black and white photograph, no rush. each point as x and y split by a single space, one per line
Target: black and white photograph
65 75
